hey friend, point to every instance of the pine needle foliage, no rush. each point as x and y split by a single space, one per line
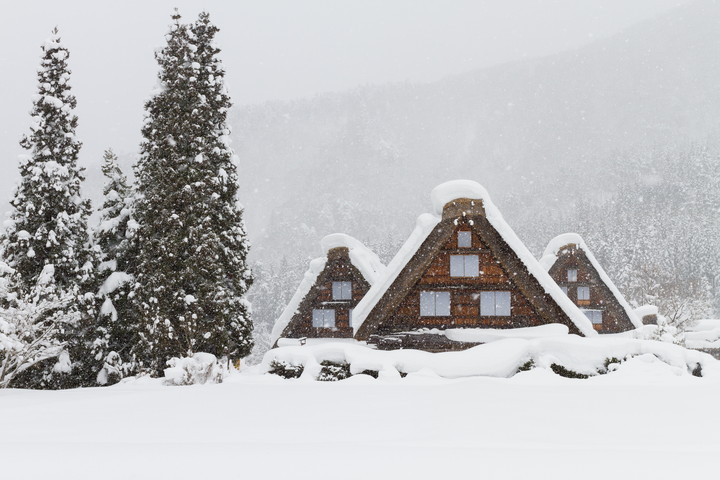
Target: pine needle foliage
191 274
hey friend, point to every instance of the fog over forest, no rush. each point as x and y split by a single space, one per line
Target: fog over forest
600 119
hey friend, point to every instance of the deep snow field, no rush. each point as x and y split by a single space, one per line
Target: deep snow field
645 420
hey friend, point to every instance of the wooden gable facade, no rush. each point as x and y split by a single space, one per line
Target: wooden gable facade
326 310
576 273
463 275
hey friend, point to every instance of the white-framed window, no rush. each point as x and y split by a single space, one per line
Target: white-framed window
464 239
595 316
564 289
464 266
495 304
572 274
434 304
342 290
583 293
323 318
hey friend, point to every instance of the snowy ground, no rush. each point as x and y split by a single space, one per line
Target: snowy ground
642 421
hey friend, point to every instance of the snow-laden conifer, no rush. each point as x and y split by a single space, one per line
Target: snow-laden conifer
191 273
116 332
46 239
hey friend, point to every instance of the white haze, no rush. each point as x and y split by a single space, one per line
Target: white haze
276 50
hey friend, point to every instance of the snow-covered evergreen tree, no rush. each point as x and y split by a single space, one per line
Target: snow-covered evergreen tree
116 333
191 274
46 241
115 215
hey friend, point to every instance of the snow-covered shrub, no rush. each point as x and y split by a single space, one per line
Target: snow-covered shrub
286 369
566 372
114 369
529 365
199 369
334 371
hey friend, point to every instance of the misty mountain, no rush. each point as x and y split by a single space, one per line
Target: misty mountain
541 135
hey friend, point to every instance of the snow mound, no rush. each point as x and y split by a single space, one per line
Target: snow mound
486 335
551 255
201 368
362 258
503 358
455 189
703 334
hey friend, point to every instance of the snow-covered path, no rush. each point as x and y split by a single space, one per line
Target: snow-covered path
648 424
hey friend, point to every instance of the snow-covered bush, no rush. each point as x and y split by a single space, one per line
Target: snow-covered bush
28 336
334 371
285 369
201 368
114 369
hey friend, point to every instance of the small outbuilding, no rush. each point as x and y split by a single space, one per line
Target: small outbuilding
323 304
575 269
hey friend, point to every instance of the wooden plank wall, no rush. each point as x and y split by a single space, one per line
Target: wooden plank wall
615 319
465 292
338 268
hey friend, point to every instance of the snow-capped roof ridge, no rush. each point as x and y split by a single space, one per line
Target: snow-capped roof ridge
362 258
454 190
426 223
563 240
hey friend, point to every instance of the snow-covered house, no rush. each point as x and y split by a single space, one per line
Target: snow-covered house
575 269
323 304
462 267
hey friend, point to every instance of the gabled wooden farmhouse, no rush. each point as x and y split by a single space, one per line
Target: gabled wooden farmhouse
323 304
463 267
573 266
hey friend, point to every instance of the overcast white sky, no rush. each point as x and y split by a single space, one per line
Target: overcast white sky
276 49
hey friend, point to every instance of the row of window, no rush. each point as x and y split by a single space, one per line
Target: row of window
583 293
437 304
432 304
492 304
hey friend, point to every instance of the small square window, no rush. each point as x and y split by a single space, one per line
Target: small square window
583 293
564 289
464 239
495 304
342 290
434 304
572 275
595 316
323 318
464 266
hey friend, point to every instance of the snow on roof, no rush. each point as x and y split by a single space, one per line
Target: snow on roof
455 189
426 223
362 258
551 255
645 310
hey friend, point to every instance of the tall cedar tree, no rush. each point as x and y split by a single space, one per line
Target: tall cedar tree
116 335
47 237
191 274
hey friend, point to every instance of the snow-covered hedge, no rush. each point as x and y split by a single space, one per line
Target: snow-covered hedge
569 355
199 369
